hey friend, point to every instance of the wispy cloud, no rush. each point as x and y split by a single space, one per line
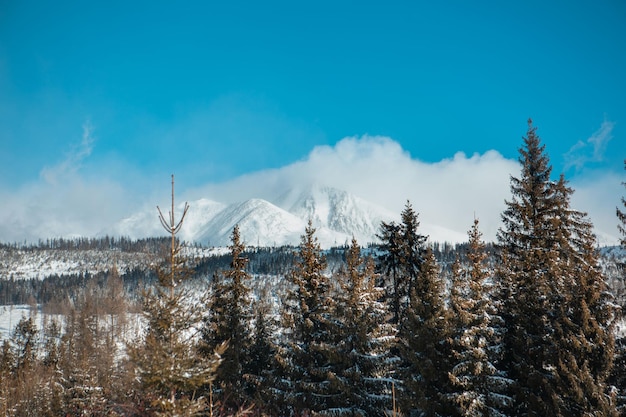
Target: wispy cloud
591 150
73 160
447 194
63 202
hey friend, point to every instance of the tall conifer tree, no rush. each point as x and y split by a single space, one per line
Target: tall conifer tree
621 216
308 355
555 306
390 264
229 322
423 348
405 250
479 387
168 367
366 337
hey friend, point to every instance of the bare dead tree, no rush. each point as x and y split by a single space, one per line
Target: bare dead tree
172 228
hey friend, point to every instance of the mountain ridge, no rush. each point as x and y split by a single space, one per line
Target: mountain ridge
336 214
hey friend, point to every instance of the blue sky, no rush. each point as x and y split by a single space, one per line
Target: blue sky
118 95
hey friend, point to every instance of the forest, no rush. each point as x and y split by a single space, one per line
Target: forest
524 326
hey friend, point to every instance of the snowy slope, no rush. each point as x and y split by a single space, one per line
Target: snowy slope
336 214
38 264
260 224
146 223
336 210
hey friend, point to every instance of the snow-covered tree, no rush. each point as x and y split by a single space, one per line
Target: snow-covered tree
166 360
559 335
308 353
621 216
228 321
364 370
479 387
404 249
422 336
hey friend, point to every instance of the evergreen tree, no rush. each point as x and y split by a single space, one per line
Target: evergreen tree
307 355
405 250
621 216
559 323
364 354
618 377
6 377
229 322
479 388
423 347
262 351
166 361
24 398
82 354
390 264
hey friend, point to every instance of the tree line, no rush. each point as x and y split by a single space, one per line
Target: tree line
529 331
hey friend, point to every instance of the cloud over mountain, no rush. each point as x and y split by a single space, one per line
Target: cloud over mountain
375 170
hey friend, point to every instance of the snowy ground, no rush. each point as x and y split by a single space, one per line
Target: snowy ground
11 315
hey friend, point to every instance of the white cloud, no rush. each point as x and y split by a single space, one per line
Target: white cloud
447 194
73 161
63 202
591 150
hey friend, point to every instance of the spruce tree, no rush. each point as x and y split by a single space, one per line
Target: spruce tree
166 362
364 352
262 351
228 321
404 250
618 377
559 323
621 216
479 387
423 348
390 264
307 354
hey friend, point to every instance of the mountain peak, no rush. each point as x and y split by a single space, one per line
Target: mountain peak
336 214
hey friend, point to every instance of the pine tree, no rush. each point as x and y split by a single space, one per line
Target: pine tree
479 388
81 355
390 264
618 377
621 216
25 395
7 361
307 354
556 311
262 351
228 322
364 353
166 361
405 250
423 348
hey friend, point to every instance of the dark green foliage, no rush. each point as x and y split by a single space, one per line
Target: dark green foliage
307 355
559 336
423 348
404 250
478 386
621 216
228 321
166 361
260 377
364 369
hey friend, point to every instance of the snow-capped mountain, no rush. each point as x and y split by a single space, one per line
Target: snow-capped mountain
145 223
336 214
260 223
336 210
